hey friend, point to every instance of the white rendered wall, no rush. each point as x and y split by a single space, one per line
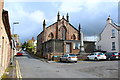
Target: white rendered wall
106 40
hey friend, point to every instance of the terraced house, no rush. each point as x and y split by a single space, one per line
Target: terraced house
5 39
59 38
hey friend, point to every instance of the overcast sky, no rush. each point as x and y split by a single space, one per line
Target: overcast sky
91 14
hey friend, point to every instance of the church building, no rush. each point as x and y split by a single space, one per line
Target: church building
59 38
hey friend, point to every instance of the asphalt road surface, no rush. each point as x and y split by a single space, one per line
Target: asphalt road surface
38 68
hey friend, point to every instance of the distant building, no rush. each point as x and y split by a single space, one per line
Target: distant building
59 38
35 46
109 38
32 45
5 39
17 42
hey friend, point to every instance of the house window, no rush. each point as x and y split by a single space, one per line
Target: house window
76 46
113 33
99 47
113 45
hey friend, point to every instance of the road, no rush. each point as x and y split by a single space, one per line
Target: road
32 67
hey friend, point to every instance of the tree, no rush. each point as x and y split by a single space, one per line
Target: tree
29 46
24 45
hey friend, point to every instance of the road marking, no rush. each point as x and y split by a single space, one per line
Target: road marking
18 72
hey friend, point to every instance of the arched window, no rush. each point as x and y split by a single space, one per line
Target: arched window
73 37
50 36
62 33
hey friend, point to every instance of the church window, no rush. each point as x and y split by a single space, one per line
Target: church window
50 36
62 33
73 37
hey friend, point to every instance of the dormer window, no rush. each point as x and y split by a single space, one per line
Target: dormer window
113 33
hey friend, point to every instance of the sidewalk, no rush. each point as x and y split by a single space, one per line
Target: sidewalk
10 73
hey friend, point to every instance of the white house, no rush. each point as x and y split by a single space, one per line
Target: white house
109 38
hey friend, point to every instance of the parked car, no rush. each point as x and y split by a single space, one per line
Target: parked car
69 58
19 53
119 55
96 56
112 55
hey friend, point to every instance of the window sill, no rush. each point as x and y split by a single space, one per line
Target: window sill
113 49
76 49
112 37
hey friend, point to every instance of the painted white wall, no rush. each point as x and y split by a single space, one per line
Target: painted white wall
105 39
35 43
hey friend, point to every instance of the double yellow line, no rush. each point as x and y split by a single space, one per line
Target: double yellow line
18 73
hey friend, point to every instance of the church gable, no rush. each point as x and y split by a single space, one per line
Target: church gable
61 29
66 30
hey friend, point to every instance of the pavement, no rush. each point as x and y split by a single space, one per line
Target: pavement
10 73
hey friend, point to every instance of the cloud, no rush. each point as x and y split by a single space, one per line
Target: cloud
17 12
73 6
60 0
70 7
29 21
37 16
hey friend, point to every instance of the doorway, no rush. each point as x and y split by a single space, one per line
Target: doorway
68 48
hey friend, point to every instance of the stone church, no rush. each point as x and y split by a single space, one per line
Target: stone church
59 38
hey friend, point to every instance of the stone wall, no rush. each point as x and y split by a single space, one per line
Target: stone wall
89 46
5 43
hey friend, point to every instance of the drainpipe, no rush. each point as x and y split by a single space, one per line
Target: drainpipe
53 50
12 57
118 41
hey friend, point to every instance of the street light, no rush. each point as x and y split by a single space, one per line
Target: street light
13 43
13 26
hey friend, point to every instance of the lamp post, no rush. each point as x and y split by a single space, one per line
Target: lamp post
13 26
13 43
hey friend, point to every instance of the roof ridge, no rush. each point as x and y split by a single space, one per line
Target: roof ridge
115 26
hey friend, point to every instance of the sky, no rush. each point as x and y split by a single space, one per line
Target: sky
91 14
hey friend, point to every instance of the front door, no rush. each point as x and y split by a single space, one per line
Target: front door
67 48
